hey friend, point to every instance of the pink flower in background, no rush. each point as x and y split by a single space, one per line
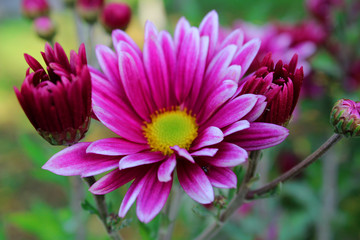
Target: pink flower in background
115 16
57 100
34 8
281 84
176 107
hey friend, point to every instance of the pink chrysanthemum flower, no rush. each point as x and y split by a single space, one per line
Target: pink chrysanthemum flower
177 108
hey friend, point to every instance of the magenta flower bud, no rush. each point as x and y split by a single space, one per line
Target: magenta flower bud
345 117
115 16
45 28
57 100
280 84
89 10
34 8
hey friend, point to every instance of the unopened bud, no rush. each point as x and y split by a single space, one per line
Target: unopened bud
89 10
345 118
45 28
34 8
115 16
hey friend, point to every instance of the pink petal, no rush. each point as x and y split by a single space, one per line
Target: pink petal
258 109
217 68
218 97
166 169
168 48
186 67
208 152
192 100
139 159
152 198
260 136
245 55
236 37
156 68
113 180
134 82
109 64
114 112
75 161
118 117
232 111
131 195
181 29
233 73
236 127
119 35
194 182
222 177
209 26
229 155
210 136
182 153
115 147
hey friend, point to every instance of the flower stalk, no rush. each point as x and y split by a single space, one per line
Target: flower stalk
296 169
171 212
244 193
102 209
237 201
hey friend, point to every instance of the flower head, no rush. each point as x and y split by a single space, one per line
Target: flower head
89 10
115 16
57 100
45 28
345 117
280 84
34 8
176 107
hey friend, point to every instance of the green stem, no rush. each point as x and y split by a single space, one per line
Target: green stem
297 169
236 202
171 213
244 192
102 209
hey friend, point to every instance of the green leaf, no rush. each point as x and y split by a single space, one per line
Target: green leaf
201 211
150 230
272 193
44 222
87 206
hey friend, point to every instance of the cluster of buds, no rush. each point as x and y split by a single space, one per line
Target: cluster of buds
281 84
57 101
114 15
345 117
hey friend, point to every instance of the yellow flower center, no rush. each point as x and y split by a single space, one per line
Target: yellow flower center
170 128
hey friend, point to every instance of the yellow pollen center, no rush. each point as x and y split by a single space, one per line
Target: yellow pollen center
170 128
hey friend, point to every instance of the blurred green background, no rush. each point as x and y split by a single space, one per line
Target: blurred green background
37 204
